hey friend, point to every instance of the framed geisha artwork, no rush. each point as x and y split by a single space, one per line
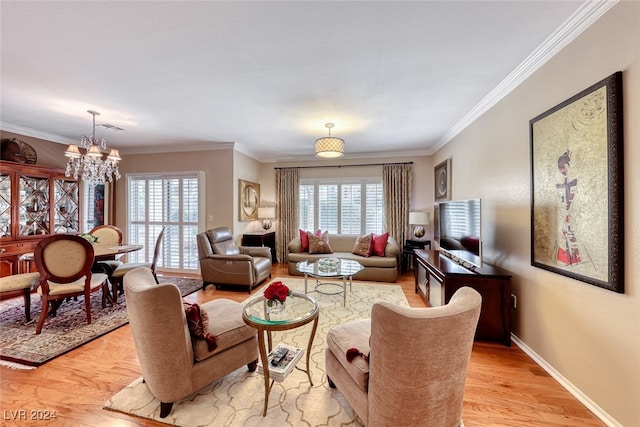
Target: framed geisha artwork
577 220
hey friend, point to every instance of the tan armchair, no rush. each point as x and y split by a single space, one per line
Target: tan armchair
174 364
224 263
412 365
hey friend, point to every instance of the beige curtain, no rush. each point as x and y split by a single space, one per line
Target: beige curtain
287 195
397 180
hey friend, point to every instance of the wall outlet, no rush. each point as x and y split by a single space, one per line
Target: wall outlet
514 301
210 218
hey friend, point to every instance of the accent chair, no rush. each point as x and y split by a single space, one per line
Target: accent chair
408 365
174 362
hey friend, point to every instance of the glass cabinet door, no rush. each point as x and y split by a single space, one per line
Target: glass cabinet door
34 206
67 214
5 205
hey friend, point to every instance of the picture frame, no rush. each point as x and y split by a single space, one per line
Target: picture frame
577 209
248 200
442 181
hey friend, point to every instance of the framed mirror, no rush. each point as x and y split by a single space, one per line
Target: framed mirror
249 200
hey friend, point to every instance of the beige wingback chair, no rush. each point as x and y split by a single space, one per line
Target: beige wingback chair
418 359
224 263
174 364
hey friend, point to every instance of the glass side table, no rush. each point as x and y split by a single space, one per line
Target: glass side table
299 310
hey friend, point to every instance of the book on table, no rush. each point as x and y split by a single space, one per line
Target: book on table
281 370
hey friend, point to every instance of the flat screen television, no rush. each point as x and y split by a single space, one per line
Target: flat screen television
460 231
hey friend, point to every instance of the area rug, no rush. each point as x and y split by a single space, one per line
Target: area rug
238 398
68 330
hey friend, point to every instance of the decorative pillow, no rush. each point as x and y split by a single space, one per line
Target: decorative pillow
304 240
379 243
319 244
198 322
363 246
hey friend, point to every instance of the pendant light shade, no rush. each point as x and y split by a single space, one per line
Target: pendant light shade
329 146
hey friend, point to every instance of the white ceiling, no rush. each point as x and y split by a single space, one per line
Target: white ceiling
396 77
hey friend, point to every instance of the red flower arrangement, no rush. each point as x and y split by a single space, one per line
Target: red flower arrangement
277 291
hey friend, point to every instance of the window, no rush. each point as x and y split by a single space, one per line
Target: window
349 206
171 201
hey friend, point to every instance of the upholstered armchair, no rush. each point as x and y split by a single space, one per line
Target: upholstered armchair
409 365
174 362
224 263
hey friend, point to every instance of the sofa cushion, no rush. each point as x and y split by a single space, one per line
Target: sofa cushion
226 325
379 243
345 336
363 246
319 244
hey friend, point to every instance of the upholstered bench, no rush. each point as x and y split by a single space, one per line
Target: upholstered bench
11 286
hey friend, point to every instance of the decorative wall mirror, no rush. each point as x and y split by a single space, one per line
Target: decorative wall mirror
249 200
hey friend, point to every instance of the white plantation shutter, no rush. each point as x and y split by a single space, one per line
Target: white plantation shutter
350 206
373 207
172 201
307 207
328 208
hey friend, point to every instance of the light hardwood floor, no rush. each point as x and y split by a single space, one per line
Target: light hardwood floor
504 386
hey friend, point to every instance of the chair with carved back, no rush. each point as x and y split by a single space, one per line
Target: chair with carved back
64 262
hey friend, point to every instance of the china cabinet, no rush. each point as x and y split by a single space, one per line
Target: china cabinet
35 201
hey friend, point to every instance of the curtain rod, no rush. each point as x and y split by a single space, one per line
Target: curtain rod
346 166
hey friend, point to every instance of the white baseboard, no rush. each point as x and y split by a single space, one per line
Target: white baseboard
576 392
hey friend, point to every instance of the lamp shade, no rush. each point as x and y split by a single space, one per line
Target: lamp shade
418 218
265 213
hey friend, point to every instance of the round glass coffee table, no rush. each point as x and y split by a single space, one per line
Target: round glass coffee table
330 268
299 309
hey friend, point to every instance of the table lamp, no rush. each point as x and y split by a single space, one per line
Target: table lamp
418 219
265 214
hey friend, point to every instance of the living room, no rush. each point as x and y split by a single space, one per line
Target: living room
585 336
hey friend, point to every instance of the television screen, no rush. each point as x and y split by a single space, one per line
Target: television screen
460 231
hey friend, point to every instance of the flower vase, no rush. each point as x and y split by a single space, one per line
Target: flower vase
276 306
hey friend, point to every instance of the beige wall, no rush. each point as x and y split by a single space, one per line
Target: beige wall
248 169
589 335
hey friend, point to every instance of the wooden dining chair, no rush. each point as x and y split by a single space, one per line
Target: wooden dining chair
123 269
64 262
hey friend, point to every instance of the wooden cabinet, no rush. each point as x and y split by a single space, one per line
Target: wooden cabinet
437 278
35 202
267 239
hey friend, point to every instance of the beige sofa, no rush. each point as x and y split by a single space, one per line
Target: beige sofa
376 268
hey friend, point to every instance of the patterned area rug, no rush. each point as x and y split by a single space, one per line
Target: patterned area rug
238 398
68 330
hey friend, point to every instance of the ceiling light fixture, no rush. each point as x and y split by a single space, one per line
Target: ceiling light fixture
329 146
91 167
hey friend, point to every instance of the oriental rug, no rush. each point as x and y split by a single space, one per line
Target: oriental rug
238 398
19 346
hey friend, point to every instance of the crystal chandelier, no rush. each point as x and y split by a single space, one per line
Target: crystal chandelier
329 146
91 167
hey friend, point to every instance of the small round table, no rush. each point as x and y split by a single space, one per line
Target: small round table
299 310
344 269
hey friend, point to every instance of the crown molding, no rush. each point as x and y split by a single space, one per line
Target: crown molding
9 127
588 13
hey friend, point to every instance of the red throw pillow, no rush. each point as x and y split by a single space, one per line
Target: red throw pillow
304 240
379 243
198 323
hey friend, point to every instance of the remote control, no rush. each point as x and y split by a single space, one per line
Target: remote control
279 356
